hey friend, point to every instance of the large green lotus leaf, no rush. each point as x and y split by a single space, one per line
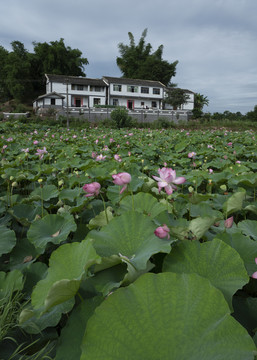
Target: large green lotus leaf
143 202
47 192
101 219
34 273
214 260
70 194
250 181
166 316
113 194
249 227
10 282
51 228
204 209
234 203
25 213
33 322
106 280
7 240
74 330
246 248
22 255
245 312
67 265
200 225
130 235
251 208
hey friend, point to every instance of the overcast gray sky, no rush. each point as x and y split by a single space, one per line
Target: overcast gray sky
213 40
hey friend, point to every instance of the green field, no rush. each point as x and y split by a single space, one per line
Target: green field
96 264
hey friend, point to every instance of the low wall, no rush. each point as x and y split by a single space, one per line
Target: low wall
141 115
15 115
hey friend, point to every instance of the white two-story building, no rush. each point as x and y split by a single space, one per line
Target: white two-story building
134 93
80 92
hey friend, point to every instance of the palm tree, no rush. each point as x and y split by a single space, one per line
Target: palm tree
200 101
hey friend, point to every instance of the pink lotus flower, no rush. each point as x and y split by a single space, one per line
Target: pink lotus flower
41 152
162 232
229 222
92 189
25 150
167 180
191 154
123 178
100 157
117 157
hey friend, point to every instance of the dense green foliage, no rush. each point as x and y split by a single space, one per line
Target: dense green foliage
86 277
22 73
176 97
137 61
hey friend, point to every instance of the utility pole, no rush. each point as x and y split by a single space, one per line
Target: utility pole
67 104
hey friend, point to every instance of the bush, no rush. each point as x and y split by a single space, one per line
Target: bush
121 117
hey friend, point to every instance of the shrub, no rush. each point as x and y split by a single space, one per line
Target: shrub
121 117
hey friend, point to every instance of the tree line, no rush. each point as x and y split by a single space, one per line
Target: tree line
22 72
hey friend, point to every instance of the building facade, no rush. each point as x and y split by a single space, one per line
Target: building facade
81 92
135 94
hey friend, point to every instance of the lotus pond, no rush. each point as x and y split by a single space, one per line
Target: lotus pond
127 244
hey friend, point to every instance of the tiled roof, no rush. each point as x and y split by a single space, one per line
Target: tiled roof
118 80
51 95
75 80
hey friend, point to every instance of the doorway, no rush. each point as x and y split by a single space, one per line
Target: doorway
78 102
130 104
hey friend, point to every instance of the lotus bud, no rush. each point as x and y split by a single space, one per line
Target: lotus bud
229 222
162 232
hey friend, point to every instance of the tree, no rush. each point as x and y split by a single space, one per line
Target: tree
17 72
199 102
176 97
22 73
252 115
56 58
139 62
4 92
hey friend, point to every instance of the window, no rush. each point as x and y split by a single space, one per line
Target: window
97 101
132 88
73 87
80 87
52 101
98 88
142 103
116 87
154 104
156 91
115 102
144 90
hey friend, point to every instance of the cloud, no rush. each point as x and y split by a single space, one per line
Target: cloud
214 41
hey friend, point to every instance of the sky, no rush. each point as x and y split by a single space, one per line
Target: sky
214 41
